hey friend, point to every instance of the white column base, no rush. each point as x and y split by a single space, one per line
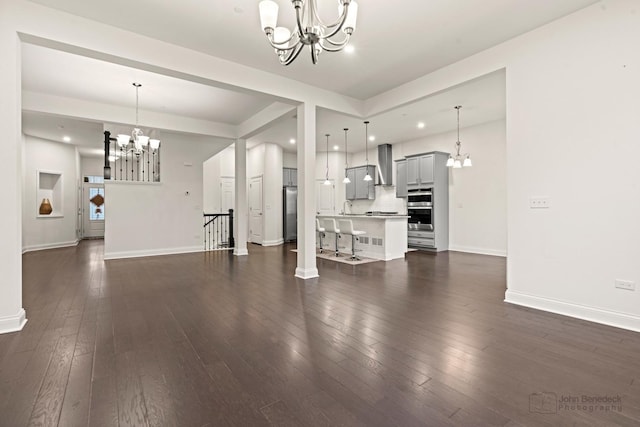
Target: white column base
240 251
310 273
13 323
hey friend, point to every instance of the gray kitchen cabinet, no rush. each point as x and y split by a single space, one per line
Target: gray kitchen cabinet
289 177
401 178
419 170
358 188
350 190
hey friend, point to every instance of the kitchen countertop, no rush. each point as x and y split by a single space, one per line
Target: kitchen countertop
359 216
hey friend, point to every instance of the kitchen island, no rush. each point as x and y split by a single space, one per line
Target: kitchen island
386 237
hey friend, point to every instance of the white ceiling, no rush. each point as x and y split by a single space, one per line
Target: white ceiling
482 100
395 41
90 79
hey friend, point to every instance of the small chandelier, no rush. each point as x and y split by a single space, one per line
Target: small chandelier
367 177
326 177
310 29
138 140
346 179
457 162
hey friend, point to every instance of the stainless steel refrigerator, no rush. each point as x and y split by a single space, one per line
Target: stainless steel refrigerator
290 213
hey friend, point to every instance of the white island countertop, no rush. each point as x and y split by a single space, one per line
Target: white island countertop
385 238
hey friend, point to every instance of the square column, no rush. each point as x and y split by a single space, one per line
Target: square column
241 220
307 268
12 315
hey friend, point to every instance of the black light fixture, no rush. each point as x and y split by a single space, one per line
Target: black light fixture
326 176
367 177
346 179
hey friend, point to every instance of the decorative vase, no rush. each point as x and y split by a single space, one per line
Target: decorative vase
45 207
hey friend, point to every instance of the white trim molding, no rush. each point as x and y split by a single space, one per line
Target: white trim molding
480 251
152 252
13 323
50 246
240 252
309 273
592 314
273 242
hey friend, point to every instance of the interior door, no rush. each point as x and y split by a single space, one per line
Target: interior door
325 198
227 194
255 210
93 210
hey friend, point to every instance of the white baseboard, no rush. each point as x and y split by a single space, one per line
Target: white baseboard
273 242
481 251
307 273
152 252
13 323
240 251
593 314
50 246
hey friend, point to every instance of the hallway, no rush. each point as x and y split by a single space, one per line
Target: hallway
212 339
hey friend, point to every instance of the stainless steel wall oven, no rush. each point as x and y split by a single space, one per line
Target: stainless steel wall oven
420 209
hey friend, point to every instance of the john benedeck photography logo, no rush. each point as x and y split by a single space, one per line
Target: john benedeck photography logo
552 403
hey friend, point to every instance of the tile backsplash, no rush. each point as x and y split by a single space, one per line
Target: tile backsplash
385 200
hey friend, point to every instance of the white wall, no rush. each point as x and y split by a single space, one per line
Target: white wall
336 174
49 232
477 195
154 219
573 132
289 160
272 188
266 160
221 165
91 166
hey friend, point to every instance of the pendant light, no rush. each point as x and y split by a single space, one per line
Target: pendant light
456 161
367 177
326 177
346 179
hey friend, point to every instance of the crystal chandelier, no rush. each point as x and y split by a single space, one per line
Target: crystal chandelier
138 140
310 29
457 161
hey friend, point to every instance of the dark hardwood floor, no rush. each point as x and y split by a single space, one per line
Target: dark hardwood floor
212 339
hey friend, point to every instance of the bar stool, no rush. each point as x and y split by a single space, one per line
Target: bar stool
320 231
346 227
330 227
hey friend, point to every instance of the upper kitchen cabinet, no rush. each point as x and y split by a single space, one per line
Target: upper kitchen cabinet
289 177
358 188
401 178
419 170
421 167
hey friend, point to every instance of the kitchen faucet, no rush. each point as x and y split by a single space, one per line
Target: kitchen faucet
344 207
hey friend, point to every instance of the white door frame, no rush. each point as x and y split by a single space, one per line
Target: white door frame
256 211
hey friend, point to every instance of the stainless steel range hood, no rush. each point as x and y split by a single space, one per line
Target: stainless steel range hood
385 165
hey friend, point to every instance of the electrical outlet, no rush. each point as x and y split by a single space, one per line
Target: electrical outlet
539 202
625 284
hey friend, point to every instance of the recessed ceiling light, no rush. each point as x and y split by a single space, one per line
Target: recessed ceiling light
420 125
372 138
292 141
66 139
349 48
335 147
